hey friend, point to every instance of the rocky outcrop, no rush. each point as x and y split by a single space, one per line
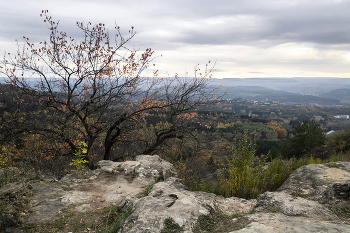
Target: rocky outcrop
296 207
145 170
110 183
320 182
172 200
299 205
292 206
280 223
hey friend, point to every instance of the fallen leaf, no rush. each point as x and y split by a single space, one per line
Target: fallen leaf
103 200
81 221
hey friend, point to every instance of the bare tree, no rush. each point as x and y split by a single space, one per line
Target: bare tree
93 90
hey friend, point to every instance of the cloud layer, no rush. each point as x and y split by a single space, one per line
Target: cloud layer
250 38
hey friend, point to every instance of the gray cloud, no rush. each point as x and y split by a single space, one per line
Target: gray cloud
191 30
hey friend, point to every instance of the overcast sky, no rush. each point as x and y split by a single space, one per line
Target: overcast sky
246 38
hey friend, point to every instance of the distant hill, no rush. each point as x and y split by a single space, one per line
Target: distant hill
257 93
304 86
339 94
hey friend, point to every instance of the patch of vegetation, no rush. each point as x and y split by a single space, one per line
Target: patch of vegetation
67 186
299 193
170 226
220 223
145 192
247 176
15 203
107 219
239 214
274 209
14 174
342 210
57 195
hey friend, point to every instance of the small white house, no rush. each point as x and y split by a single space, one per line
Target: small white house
330 132
342 117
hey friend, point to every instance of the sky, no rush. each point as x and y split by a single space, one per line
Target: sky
244 38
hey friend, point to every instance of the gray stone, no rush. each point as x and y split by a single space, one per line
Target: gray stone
293 206
146 169
106 185
315 181
297 206
278 222
171 199
14 187
341 190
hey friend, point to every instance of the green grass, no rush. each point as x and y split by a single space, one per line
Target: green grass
171 227
341 209
107 219
255 179
145 192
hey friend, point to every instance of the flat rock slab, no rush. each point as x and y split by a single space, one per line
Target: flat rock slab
278 223
293 206
106 185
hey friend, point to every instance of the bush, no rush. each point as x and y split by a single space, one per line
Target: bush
247 176
240 177
339 141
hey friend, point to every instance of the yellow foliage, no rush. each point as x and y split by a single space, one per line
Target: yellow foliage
5 157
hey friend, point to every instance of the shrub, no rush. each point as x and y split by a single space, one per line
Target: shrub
240 176
340 141
80 152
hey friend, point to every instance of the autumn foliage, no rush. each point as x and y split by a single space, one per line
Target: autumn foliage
93 91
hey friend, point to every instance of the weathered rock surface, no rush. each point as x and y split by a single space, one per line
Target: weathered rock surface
301 202
293 206
299 205
280 211
171 199
319 182
278 223
110 184
145 170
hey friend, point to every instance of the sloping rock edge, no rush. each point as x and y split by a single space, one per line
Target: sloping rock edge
285 210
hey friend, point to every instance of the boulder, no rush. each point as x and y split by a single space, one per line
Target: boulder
146 169
292 206
172 200
319 182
